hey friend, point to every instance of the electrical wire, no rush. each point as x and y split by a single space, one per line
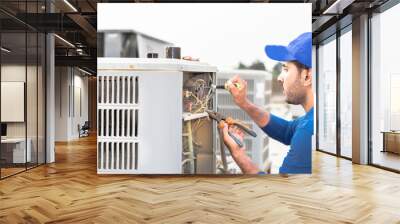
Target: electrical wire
198 94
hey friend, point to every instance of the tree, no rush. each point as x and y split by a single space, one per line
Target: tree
277 88
277 69
241 66
256 65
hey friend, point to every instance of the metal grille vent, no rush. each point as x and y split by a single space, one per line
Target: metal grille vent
117 112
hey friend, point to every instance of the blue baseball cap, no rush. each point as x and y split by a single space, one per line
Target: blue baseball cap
300 49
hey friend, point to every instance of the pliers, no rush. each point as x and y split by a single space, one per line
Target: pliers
230 121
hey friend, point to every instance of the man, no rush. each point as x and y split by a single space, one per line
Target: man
296 78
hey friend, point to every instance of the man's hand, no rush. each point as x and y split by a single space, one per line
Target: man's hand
228 140
238 88
189 58
238 154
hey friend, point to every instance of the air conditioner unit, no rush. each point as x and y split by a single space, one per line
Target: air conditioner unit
259 87
151 117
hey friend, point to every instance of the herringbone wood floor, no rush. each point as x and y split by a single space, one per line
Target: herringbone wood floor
70 191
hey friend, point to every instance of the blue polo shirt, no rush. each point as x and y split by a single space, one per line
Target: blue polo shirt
297 134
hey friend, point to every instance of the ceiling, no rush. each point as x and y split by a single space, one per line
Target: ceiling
75 43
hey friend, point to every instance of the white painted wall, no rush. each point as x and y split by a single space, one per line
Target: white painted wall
61 103
11 73
79 117
17 73
33 126
70 83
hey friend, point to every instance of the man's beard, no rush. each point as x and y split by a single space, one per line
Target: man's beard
294 99
294 95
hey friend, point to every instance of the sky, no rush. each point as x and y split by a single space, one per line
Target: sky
219 34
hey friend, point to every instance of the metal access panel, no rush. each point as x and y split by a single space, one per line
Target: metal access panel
141 126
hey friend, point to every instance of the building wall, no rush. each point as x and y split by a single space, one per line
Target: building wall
148 45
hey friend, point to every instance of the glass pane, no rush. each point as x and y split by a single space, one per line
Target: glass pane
346 94
31 86
31 98
327 96
41 98
385 89
13 87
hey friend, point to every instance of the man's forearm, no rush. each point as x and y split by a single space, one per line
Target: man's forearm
259 116
244 162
